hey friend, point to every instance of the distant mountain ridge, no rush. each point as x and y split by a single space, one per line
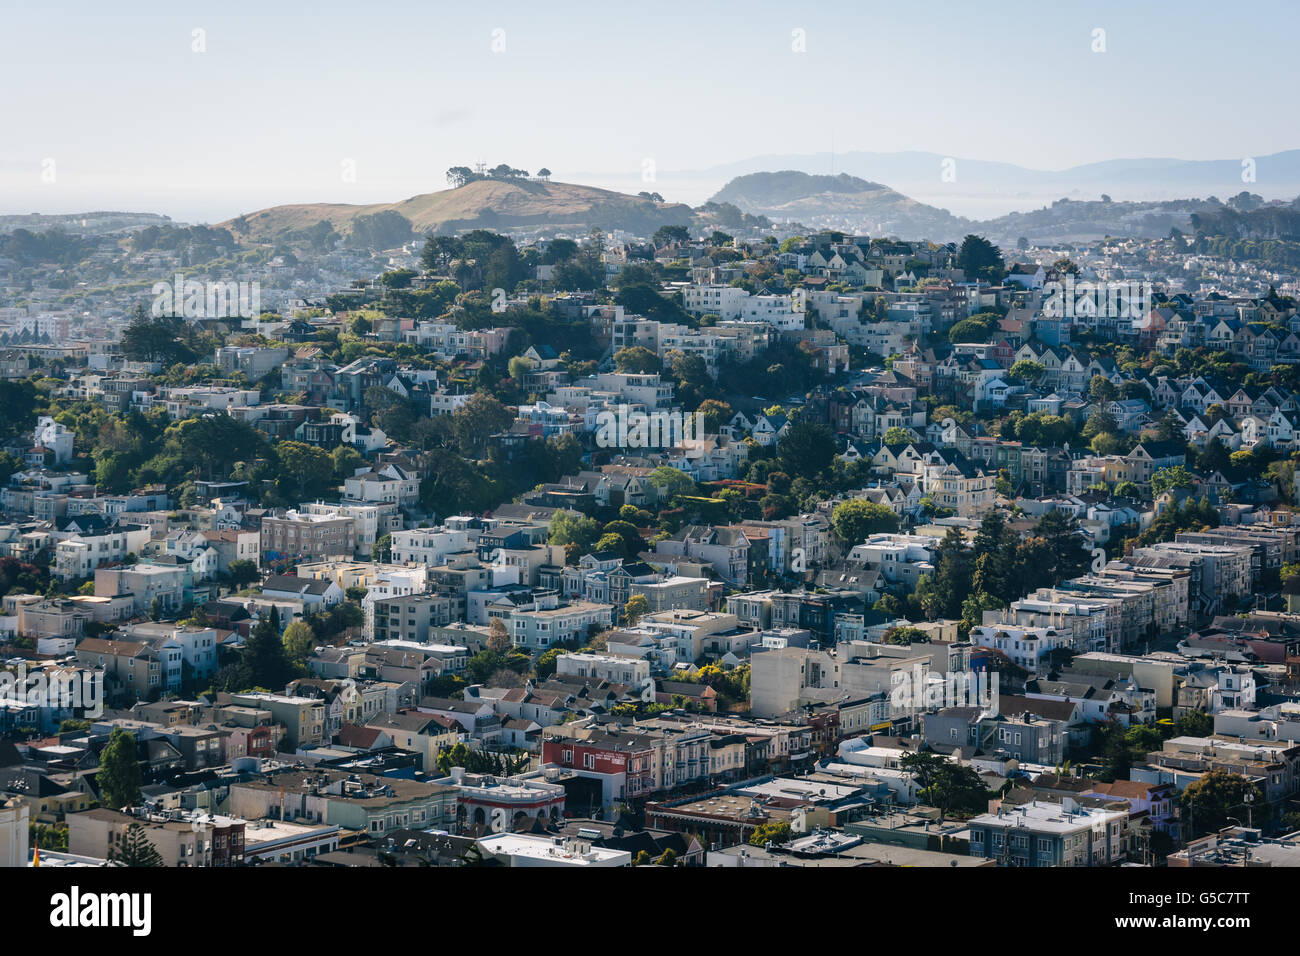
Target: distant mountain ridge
849 203
798 196
918 173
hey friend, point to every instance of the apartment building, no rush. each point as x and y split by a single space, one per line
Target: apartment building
632 671
1042 833
505 802
48 619
14 830
1031 731
1272 546
234 545
674 593
302 717
900 558
1027 647
784 679
355 801
254 362
623 762
143 584
179 647
211 841
79 556
724 301
725 549
1219 573
429 546
1270 765
422 734
301 535
372 519
548 622
131 668
388 484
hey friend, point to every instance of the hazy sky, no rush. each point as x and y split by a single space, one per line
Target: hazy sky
133 118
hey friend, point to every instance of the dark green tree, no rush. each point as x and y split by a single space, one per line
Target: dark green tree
243 572
958 788
945 784
119 771
304 471
980 259
994 553
477 420
1208 803
953 568
636 358
265 662
1194 723
668 234
1116 754
149 338
212 444
807 449
1065 544
854 520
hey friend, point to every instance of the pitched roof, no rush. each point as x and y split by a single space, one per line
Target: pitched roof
292 584
95 645
363 738
1012 705
1128 789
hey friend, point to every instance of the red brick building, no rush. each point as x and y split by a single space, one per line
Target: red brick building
623 762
